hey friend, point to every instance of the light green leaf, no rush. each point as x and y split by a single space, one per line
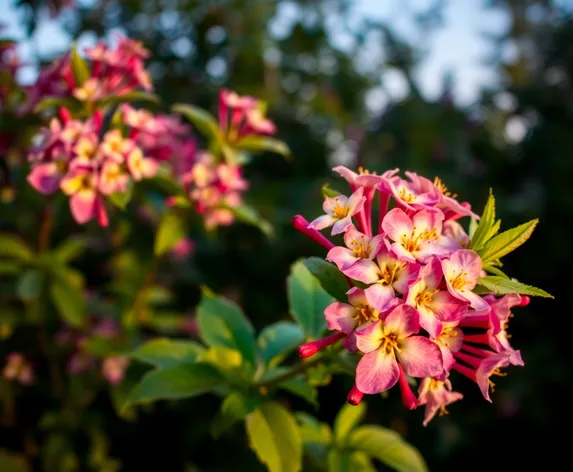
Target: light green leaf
495 271
47 103
277 340
222 323
204 121
235 407
328 192
29 285
307 300
121 199
163 352
247 214
229 362
79 67
177 381
349 461
388 447
134 96
10 267
301 388
13 247
506 242
69 301
501 285
485 226
172 229
329 277
275 437
347 419
70 249
255 143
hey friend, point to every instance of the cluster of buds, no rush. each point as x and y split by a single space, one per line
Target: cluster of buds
412 309
18 368
74 157
112 367
114 72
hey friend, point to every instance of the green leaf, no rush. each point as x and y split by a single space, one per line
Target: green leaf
70 249
134 96
175 382
235 407
495 271
247 214
121 199
79 67
501 285
328 192
9 267
230 363
172 229
48 103
163 352
29 285
347 419
330 278
222 323
349 461
275 437
307 300
13 247
277 340
301 388
487 222
255 143
69 301
506 242
388 447
316 438
204 121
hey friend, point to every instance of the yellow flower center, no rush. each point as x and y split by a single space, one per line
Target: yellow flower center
360 249
340 212
442 188
365 313
390 343
425 298
459 282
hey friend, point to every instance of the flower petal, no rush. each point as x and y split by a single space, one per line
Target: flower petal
340 317
429 322
402 321
365 270
369 338
356 201
341 225
322 222
397 225
380 297
45 178
427 221
448 308
83 205
342 257
420 357
376 372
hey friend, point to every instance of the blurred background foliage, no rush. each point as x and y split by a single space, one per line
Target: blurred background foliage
316 95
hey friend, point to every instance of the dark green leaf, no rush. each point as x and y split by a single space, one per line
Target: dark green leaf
275 437
501 285
222 323
330 278
131 97
70 249
205 123
175 382
79 67
255 143
277 340
301 388
235 407
29 285
13 247
506 242
388 447
163 352
172 229
349 461
69 301
316 438
307 300
10 267
47 103
247 214
121 199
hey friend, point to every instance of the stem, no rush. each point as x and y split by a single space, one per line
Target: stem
295 370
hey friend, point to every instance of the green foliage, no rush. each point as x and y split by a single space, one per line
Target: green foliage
12 247
329 277
172 229
204 121
307 300
275 437
506 242
277 340
69 302
249 215
487 227
501 285
261 144
164 352
79 67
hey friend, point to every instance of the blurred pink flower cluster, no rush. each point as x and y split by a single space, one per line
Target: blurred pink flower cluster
411 309
74 157
112 72
18 368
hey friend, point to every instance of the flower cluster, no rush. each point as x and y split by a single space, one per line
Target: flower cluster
412 309
74 157
113 72
18 368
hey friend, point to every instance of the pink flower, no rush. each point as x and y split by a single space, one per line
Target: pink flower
436 395
113 368
358 246
339 212
141 167
18 368
409 195
183 249
46 177
417 238
434 305
85 203
392 341
462 271
450 340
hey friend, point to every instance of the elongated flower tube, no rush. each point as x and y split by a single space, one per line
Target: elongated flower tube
414 310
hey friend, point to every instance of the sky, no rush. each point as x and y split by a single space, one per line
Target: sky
459 46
